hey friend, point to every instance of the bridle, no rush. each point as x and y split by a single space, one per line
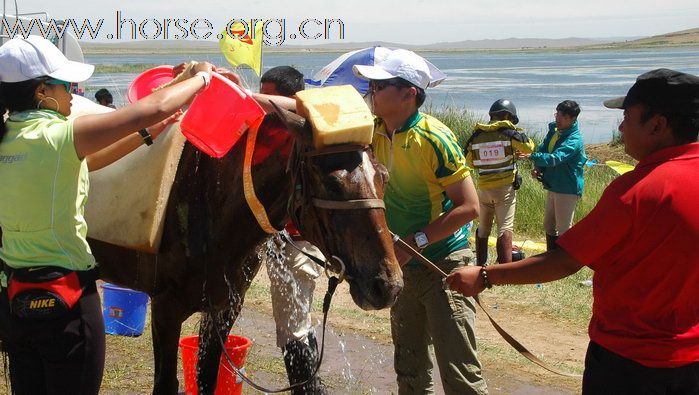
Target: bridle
350 204
300 199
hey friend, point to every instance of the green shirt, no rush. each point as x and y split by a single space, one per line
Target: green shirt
44 190
422 158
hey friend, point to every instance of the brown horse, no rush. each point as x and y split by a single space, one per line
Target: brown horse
207 257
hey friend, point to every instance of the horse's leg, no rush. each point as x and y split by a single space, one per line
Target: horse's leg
214 328
167 315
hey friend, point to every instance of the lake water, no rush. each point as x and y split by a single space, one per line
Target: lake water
535 81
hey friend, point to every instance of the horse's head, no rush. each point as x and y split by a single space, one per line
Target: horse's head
338 206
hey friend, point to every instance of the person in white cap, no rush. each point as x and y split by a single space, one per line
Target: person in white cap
50 317
430 202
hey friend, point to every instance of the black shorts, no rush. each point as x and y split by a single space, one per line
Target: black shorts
64 355
612 374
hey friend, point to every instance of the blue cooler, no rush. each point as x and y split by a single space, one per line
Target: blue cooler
124 310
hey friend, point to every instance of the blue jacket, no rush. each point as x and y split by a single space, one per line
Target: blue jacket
563 168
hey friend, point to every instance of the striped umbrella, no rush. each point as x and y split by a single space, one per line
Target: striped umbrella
339 71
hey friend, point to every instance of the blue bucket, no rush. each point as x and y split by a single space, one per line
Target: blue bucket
124 310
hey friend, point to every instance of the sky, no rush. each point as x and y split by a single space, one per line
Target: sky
407 22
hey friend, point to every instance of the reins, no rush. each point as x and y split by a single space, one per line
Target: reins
297 164
508 338
332 286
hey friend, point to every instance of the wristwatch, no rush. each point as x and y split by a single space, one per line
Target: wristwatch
147 138
421 240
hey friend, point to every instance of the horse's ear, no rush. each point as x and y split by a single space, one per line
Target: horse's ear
295 123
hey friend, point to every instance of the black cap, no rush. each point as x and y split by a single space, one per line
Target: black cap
663 89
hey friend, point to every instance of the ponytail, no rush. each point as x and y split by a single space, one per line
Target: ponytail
17 96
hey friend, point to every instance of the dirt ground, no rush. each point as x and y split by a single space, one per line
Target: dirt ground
605 152
359 356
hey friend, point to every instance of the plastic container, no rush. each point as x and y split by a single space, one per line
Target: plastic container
228 382
219 116
144 84
124 310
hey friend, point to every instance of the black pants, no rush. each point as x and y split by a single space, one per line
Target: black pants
609 373
58 356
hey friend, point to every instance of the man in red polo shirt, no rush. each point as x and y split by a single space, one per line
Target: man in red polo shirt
644 331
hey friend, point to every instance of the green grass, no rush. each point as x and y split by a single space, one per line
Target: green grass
563 300
531 198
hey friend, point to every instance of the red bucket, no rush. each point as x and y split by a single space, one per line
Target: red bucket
227 382
219 116
144 84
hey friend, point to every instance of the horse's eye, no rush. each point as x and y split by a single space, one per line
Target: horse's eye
334 185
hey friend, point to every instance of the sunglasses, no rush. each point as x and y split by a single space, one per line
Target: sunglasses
379 85
69 85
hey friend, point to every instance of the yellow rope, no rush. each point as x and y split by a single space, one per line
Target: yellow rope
258 210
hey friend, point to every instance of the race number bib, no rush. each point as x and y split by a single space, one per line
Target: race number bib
493 152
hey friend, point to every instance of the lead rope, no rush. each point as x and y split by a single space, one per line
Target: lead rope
508 338
332 286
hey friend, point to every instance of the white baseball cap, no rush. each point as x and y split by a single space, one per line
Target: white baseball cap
404 64
22 59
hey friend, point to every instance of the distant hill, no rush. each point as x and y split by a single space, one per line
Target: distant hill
211 46
689 37
682 38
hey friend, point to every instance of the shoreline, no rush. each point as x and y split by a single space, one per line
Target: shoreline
116 49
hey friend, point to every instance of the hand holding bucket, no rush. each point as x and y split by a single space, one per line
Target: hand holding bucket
219 116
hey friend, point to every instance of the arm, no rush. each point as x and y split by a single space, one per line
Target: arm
93 133
286 103
549 266
465 199
281 101
568 148
128 144
526 147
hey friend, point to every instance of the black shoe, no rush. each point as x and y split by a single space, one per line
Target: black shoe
301 360
551 243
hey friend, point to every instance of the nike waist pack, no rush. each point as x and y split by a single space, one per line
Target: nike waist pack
43 292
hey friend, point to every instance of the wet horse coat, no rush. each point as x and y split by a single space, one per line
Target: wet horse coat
207 260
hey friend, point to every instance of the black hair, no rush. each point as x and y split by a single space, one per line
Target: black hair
569 108
420 96
17 96
287 79
104 94
684 127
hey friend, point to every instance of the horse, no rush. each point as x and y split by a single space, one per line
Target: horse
207 256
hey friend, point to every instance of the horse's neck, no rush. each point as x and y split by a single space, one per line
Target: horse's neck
215 188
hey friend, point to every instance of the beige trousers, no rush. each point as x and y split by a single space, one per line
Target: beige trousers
498 203
560 209
292 284
425 316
